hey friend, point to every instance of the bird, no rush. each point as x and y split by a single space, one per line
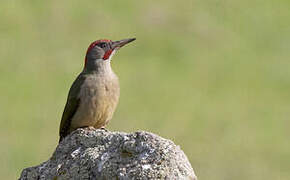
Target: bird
94 95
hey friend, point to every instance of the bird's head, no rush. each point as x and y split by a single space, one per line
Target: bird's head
103 50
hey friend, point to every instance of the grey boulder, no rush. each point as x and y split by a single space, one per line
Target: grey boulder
104 155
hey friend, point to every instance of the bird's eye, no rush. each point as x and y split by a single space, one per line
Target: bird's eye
102 45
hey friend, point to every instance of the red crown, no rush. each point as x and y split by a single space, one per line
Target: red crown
93 44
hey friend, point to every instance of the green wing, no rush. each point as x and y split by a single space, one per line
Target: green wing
71 106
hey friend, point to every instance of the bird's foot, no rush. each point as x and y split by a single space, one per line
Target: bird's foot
91 128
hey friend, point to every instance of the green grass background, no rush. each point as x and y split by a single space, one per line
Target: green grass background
213 76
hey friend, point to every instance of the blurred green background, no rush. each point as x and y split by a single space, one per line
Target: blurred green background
213 76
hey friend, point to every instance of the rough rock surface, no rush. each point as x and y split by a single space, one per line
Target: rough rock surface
100 154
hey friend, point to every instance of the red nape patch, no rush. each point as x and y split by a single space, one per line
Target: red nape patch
107 54
93 44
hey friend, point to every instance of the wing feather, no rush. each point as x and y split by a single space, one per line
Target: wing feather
71 107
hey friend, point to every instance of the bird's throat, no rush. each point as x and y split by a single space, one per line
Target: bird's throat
98 66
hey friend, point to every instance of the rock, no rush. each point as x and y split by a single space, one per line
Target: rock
104 155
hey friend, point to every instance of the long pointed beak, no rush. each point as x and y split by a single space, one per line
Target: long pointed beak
121 43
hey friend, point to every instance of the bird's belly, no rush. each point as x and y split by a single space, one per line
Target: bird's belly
96 107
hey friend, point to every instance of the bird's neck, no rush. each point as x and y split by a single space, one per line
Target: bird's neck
98 66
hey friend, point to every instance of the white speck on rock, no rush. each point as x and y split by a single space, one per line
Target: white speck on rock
58 167
126 138
146 166
76 152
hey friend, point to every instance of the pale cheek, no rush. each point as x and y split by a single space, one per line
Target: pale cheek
112 54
